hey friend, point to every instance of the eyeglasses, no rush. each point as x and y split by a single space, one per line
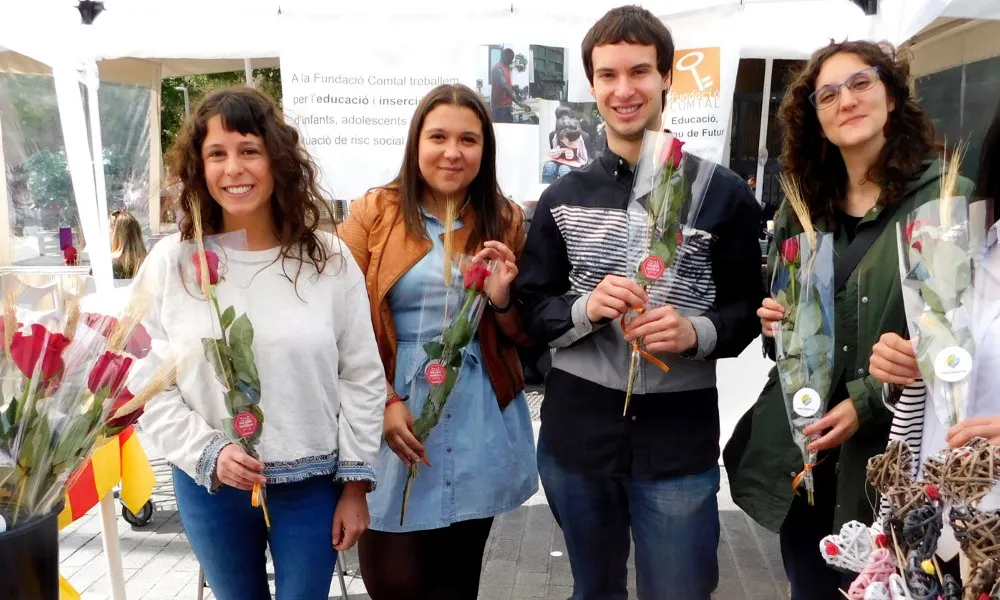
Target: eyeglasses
859 82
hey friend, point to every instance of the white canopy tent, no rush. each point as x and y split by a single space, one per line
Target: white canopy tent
899 20
142 41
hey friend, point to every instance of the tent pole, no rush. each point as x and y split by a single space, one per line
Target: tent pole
765 114
6 248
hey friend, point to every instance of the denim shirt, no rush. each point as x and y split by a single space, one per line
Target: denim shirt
482 460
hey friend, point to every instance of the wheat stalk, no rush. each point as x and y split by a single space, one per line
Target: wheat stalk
793 194
138 305
9 311
949 182
163 379
449 238
199 238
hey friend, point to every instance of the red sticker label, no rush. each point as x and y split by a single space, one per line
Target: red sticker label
653 267
435 373
245 424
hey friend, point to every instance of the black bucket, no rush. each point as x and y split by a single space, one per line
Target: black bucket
29 557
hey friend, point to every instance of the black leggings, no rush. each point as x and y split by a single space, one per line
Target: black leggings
436 564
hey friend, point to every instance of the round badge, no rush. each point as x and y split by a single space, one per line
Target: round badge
3 524
435 373
953 364
806 402
245 424
653 267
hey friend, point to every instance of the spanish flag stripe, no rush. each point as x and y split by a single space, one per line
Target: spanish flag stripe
83 495
107 467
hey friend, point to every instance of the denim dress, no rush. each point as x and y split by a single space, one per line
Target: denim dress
482 459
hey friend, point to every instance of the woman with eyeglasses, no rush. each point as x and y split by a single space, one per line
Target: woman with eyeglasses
863 152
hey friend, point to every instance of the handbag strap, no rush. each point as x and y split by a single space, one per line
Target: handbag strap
863 240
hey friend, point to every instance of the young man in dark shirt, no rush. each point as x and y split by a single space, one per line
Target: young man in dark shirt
655 471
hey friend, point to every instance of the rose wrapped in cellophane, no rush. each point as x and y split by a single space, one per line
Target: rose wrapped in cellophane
802 283
663 208
937 245
229 348
63 375
456 303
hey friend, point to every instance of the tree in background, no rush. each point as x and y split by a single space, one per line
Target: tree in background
172 99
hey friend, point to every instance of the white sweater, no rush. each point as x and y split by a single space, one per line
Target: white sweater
322 381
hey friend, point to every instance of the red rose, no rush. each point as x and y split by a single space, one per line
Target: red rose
212 259
100 323
671 155
109 373
832 549
70 255
41 351
475 277
138 345
680 238
116 424
881 541
790 250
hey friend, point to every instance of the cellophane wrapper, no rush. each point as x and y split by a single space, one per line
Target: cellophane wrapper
667 195
937 251
802 283
62 371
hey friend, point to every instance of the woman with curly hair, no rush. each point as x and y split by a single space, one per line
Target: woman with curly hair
864 155
322 386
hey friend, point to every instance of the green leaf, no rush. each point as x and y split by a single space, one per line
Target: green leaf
458 335
241 342
938 296
72 439
791 374
809 320
236 402
227 317
656 199
227 428
215 354
949 264
434 350
456 360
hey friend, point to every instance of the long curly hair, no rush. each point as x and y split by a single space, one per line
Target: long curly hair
820 169
297 203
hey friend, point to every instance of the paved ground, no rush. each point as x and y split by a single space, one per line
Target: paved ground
526 556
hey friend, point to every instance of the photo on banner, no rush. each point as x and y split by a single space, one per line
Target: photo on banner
515 80
570 135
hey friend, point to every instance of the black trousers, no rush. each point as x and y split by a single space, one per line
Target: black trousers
809 575
436 564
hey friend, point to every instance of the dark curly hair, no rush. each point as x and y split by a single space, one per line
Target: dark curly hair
820 171
297 204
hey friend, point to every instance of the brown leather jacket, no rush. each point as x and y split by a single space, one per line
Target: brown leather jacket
376 235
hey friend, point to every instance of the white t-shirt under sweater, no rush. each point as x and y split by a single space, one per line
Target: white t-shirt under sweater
322 381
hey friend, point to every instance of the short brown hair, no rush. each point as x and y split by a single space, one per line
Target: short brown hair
822 174
630 25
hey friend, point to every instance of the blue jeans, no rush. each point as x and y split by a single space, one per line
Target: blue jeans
674 523
553 170
229 538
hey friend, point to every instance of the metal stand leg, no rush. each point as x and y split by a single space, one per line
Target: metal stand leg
340 574
201 584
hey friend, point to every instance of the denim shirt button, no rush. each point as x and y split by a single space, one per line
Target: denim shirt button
448 450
